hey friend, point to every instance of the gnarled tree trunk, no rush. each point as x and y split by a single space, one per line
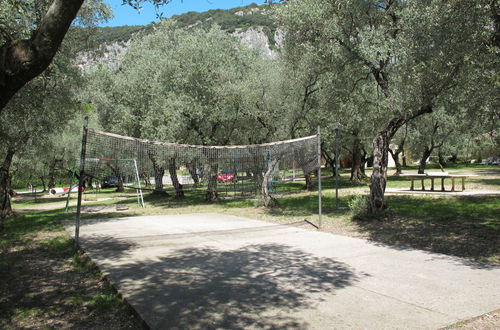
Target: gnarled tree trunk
5 187
441 159
329 159
356 174
193 172
309 183
172 169
395 156
363 162
44 187
380 161
423 160
121 187
400 150
52 176
159 172
267 198
211 195
379 174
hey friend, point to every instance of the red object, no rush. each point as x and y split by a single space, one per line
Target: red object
226 176
67 188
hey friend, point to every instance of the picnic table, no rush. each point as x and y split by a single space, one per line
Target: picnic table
437 175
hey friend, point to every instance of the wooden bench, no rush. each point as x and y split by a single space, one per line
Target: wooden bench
437 175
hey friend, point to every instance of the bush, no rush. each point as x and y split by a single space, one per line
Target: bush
359 206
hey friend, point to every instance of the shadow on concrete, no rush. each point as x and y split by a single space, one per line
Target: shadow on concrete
257 286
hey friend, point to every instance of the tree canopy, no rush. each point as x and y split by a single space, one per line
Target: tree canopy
413 54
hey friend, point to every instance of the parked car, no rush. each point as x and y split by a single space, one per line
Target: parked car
110 182
227 176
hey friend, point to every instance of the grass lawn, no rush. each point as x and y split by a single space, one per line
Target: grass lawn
44 284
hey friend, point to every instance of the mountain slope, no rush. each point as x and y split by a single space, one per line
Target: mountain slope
253 24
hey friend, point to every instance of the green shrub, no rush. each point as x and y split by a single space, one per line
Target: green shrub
359 206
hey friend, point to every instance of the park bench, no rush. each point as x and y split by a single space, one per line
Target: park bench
437 175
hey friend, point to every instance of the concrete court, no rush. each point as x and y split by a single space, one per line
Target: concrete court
208 271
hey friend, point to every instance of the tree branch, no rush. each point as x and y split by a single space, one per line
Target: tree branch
23 60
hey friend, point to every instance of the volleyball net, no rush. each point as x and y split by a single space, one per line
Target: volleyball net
216 171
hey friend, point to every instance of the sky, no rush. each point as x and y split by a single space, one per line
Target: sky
126 15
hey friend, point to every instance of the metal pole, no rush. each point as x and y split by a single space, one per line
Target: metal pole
337 166
139 190
320 223
80 181
69 190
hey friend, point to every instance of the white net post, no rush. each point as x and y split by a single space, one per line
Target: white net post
140 199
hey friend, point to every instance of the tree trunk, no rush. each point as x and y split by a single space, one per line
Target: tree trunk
117 173
193 172
441 159
356 174
147 181
453 158
395 156
172 169
425 155
52 177
211 194
330 160
42 179
309 183
257 169
268 199
120 187
159 172
379 174
5 183
363 162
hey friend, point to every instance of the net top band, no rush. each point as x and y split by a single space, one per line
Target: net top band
129 138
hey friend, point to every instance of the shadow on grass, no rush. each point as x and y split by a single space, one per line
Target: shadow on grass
307 205
38 287
205 288
465 227
490 182
28 199
20 226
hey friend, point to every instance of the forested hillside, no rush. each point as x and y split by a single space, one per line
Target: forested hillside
254 25
233 20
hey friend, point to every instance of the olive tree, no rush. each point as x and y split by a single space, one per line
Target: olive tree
175 85
413 53
23 129
31 32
